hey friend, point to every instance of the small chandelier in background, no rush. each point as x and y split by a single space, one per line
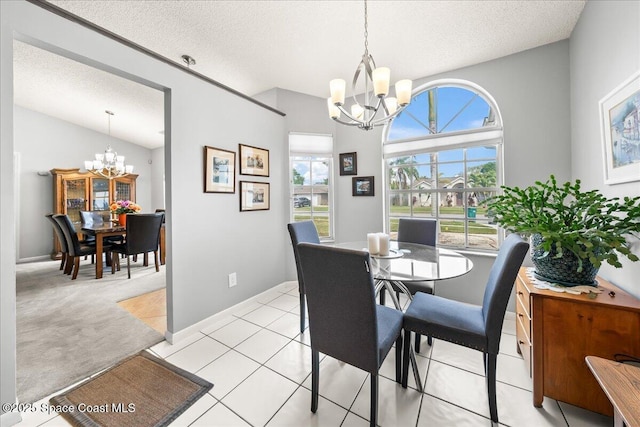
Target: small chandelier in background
108 165
376 89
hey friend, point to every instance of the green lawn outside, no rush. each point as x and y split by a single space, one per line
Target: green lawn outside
322 223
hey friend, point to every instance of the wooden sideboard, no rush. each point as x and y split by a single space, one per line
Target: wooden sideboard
556 331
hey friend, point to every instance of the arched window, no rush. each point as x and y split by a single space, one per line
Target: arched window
443 159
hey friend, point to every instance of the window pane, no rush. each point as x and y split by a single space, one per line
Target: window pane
482 235
482 174
450 175
300 173
451 204
451 233
424 174
400 177
481 153
322 224
320 172
451 155
399 204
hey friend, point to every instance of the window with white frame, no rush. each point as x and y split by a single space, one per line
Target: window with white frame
311 181
443 160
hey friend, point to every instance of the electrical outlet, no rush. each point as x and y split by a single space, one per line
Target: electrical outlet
233 280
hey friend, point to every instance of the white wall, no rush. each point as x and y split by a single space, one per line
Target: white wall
605 51
44 143
207 236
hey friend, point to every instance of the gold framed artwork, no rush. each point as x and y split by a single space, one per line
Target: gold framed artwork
253 160
219 170
254 196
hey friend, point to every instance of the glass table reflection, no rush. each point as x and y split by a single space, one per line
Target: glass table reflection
408 262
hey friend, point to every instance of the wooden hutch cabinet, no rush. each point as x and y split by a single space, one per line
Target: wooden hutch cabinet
556 331
75 191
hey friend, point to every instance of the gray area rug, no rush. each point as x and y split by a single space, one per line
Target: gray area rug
69 329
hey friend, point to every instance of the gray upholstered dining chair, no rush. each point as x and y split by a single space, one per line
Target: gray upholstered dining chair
302 232
423 231
344 320
143 236
475 326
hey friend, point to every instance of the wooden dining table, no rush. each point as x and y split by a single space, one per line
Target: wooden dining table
108 229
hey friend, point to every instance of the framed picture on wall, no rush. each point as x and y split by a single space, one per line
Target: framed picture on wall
348 163
620 127
254 196
362 186
219 170
253 160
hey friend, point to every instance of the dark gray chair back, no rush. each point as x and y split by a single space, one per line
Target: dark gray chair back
70 234
499 285
420 231
341 303
143 233
59 233
302 232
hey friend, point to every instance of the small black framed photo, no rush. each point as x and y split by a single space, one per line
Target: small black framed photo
348 163
362 186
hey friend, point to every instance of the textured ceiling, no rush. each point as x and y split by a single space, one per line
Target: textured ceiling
253 46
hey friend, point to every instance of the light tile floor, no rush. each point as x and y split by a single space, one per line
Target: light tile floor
260 366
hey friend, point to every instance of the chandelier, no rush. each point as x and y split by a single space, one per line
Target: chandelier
375 99
108 165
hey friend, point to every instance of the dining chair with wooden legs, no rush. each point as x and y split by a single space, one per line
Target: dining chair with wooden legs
143 236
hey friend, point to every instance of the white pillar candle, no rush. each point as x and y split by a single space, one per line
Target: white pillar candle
374 245
383 243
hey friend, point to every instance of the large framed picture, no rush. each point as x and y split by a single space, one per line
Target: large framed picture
253 160
219 170
362 186
254 196
620 126
348 163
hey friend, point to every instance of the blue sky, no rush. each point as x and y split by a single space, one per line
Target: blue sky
449 100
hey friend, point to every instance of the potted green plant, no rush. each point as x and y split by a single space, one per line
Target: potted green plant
572 231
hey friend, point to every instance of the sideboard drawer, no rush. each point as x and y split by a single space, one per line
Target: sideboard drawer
523 342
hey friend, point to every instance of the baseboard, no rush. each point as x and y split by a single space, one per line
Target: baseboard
35 259
10 419
174 338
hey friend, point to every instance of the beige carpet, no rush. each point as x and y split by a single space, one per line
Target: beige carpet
69 329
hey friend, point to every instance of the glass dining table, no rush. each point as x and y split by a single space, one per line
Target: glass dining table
409 262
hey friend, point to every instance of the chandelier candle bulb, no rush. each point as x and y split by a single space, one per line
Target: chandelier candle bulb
337 87
383 244
403 92
357 111
373 243
391 104
381 77
334 112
